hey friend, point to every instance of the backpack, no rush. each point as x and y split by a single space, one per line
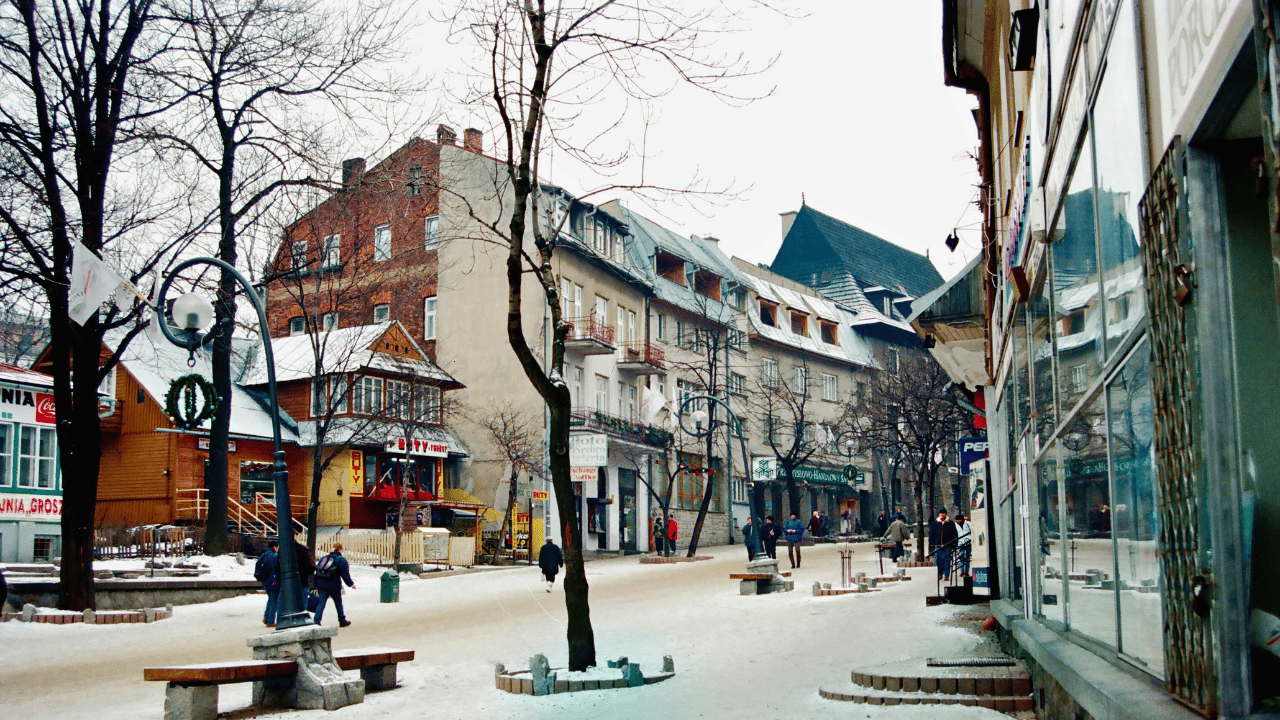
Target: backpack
327 568
262 569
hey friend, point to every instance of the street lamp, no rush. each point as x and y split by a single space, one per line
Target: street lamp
194 312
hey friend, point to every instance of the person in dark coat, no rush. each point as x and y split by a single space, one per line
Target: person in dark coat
659 536
550 560
794 530
882 524
941 532
769 535
267 572
329 584
815 525
751 539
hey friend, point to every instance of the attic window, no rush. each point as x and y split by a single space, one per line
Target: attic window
799 324
888 305
830 332
669 267
768 313
706 284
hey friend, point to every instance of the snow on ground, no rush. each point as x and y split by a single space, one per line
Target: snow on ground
736 656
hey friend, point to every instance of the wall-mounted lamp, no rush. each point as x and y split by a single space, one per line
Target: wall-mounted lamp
953 242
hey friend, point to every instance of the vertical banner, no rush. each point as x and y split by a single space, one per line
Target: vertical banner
439 493
356 480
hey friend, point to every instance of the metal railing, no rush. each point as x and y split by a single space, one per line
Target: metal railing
589 328
628 429
193 504
642 352
955 562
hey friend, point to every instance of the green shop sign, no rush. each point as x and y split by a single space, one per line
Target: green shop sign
764 469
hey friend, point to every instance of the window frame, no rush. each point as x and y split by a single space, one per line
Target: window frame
301 325
329 321
7 464
386 307
834 382
769 372
430 317
382 243
332 247
431 231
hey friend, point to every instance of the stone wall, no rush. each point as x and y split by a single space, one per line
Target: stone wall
715 529
131 595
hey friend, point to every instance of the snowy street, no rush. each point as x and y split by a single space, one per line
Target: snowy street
735 656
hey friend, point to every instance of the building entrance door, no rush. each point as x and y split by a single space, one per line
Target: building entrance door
627 520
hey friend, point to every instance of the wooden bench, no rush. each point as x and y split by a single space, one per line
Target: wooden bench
755 583
192 691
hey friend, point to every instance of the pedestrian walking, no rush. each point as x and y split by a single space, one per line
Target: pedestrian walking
882 524
825 526
673 531
550 560
941 534
898 533
769 535
845 518
900 515
659 535
267 572
751 539
815 525
794 530
964 538
330 573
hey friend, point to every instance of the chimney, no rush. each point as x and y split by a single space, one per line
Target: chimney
445 135
352 172
712 239
788 218
473 140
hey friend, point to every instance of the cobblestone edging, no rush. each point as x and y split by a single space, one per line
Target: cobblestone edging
540 679
31 613
862 583
660 560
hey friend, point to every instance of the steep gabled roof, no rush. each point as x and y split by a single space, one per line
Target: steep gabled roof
816 239
345 350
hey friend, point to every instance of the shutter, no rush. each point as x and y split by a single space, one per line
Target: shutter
1188 648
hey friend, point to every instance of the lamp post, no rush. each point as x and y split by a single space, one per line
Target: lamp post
701 419
194 312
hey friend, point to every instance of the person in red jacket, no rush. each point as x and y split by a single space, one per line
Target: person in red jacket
673 530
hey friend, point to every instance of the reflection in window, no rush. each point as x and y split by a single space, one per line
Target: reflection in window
1075 288
1087 514
1050 556
1042 380
1133 513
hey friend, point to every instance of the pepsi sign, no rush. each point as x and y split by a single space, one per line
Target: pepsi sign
972 449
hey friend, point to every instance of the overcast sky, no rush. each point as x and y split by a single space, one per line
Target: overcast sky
859 123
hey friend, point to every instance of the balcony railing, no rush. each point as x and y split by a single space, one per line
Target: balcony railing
633 430
589 335
642 356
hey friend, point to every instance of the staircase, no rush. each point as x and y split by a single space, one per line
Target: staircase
996 682
258 519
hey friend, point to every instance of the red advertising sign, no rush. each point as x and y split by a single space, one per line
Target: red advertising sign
44 409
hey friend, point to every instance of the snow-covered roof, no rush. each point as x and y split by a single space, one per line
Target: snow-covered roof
344 350
22 376
156 364
366 431
850 346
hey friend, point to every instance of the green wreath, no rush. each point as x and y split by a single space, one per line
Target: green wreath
180 404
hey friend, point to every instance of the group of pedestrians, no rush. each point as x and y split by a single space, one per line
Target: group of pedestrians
951 541
324 578
665 534
766 537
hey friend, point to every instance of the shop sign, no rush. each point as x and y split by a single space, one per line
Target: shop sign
764 469
203 444
583 474
30 507
972 449
357 471
588 450
18 404
541 495
767 469
429 448
1196 41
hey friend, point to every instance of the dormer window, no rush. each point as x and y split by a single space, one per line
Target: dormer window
888 305
799 323
669 266
706 284
769 313
829 331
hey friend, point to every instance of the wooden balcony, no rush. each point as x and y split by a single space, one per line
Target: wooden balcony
588 336
642 357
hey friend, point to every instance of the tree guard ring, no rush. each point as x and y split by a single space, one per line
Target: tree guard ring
190 401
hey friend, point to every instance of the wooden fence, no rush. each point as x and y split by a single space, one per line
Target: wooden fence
143 542
415 547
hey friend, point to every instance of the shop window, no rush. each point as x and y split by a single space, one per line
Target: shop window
256 483
6 453
1086 525
37 457
46 548
1050 555
1043 386
1076 286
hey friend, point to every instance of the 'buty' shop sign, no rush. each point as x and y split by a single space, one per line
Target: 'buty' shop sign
19 404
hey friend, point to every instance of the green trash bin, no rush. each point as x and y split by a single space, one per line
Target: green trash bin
390 587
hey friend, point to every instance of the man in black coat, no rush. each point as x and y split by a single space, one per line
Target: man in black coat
550 560
941 532
331 572
769 534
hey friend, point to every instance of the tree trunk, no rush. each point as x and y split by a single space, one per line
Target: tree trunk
506 523
313 503
217 471
793 492
707 492
80 453
581 638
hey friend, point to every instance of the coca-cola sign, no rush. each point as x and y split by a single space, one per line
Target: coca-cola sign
26 405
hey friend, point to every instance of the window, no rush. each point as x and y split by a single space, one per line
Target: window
622 398
298 254
806 433
46 548
602 393
566 298
660 321
318 397
415 180
735 425
429 318
679 333
381 313
802 380
621 333
738 299
631 326
36 456
428 405
431 231
829 389
737 383
338 388
382 243
888 306
1079 378
577 301
632 402
332 251
799 324
684 391
602 311
335 399
862 389
829 332
768 313
329 321
769 372
6 452
366 396
577 385
297 326
398 399
891 360
771 429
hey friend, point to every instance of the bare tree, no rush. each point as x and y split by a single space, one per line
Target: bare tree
788 421
73 100
414 404
258 77
539 59
906 410
518 439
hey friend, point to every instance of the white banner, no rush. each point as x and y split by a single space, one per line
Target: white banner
588 450
651 404
92 283
30 507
